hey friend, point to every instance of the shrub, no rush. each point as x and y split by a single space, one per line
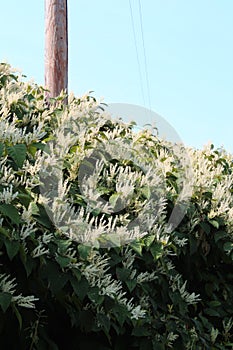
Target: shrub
104 246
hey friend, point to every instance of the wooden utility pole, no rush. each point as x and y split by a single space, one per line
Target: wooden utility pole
56 47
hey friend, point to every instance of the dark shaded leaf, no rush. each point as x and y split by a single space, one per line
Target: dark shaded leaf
1 149
205 227
62 260
5 300
11 212
80 287
12 248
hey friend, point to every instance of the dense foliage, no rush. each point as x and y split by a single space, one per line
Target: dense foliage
89 255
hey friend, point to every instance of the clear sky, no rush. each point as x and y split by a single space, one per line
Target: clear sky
189 54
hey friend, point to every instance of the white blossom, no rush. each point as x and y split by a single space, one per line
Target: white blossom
8 285
7 195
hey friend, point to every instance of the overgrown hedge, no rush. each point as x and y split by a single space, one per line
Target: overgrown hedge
84 284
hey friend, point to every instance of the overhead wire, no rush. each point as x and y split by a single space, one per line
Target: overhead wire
144 53
137 55
142 72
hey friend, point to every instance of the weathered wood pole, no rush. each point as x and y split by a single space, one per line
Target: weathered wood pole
56 47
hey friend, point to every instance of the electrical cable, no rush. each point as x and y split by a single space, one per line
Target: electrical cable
144 53
136 49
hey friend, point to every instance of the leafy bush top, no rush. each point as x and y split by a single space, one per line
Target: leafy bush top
122 247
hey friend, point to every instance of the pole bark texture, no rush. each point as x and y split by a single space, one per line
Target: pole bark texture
56 47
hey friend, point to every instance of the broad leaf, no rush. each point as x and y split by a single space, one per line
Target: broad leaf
18 153
218 235
62 260
5 300
137 246
156 251
131 284
80 287
12 248
18 315
56 278
84 251
1 149
11 212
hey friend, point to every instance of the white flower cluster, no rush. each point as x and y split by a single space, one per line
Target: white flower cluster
211 175
96 274
42 248
8 176
171 337
127 262
9 132
7 195
8 285
146 179
10 95
177 284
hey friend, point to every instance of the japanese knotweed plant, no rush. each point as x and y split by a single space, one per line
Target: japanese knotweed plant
108 238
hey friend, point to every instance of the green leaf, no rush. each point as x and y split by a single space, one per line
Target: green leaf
113 199
4 232
56 278
62 260
205 321
23 254
5 300
137 246
24 198
12 248
39 145
219 235
104 321
121 313
148 240
18 315
33 148
94 296
84 251
205 227
214 223
11 212
28 263
43 218
157 251
34 208
228 247
1 149
123 273
80 287
63 245
146 192
212 312
131 284
214 303
18 153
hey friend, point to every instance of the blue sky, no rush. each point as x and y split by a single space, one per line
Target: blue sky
189 52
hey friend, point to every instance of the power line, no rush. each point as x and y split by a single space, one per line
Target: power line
144 53
136 49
